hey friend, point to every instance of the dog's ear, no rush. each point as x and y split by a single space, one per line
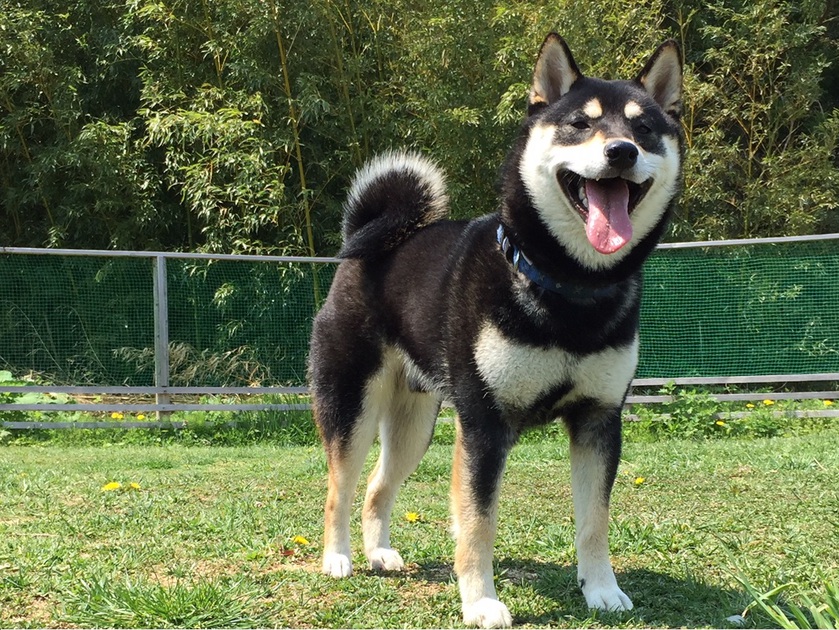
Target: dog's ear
662 77
554 75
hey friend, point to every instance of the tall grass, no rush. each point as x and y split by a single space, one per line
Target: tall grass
813 612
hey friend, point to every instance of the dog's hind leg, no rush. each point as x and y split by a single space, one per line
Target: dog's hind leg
348 400
595 452
345 461
405 433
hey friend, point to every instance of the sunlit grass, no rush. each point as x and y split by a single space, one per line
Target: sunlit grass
230 536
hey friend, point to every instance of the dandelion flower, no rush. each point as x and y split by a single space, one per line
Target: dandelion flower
110 487
134 485
412 517
720 423
639 480
300 540
117 415
750 406
768 402
828 403
141 416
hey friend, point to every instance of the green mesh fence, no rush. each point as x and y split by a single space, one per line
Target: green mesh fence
80 320
241 322
756 309
69 318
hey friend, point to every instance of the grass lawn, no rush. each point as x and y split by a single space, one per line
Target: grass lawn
230 536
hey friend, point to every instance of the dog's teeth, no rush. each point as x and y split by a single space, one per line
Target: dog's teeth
583 197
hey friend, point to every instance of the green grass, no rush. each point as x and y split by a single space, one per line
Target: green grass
811 614
212 536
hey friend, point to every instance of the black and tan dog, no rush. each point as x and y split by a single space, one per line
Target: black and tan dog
517 318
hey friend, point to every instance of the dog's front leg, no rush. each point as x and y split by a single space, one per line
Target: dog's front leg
595 452
480 454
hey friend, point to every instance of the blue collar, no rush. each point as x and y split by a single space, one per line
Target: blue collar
522 264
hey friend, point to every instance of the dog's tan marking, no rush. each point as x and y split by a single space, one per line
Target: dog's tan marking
632 110
475 535
457 485
336 535
593 109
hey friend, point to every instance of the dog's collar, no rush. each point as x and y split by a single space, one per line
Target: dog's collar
522 264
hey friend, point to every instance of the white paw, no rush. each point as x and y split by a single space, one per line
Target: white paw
609 598
337 565
487 613
383 559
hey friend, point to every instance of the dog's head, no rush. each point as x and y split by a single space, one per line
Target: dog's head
602 159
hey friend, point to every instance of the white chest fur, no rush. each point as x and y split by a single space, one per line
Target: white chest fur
518 374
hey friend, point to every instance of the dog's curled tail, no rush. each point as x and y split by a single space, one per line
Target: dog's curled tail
391 197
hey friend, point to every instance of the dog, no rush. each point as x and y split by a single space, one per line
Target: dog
517 318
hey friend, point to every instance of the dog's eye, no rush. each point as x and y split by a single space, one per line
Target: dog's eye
643 129
580 124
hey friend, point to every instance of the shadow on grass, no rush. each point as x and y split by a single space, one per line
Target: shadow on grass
660 600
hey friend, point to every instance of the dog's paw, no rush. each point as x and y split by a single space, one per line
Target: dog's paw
337 565
487 613
384 559
610 599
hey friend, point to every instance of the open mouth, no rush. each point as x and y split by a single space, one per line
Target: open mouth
605 206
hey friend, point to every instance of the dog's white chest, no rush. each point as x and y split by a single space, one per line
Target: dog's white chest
518 374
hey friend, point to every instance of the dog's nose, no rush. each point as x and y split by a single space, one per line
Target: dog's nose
621 154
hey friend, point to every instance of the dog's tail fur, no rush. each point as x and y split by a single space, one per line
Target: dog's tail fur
391 197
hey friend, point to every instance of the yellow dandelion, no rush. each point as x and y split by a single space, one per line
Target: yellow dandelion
117 415
768 402
720 423
828 403
300 540
134 485
412 517
110 487
141 416
639 480
750 406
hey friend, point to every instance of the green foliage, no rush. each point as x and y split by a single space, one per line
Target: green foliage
690 413
812 613
236 125
695 414
286 428
7 379
762 135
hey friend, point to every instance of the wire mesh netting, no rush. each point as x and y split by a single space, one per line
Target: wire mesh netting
67 318
745 310
79 320
242 322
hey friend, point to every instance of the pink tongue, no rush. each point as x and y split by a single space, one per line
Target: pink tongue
608 227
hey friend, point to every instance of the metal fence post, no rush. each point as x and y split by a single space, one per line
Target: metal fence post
161 336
